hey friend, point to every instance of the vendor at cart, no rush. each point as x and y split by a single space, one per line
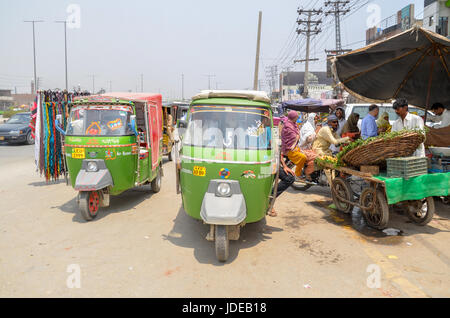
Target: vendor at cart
442 114
327 136
407 120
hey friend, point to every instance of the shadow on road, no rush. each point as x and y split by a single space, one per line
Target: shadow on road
45 183
356 221
190 233
121 203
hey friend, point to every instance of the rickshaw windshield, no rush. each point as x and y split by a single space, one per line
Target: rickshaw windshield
229 127
87 121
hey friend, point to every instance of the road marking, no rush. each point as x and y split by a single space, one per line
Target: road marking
389 269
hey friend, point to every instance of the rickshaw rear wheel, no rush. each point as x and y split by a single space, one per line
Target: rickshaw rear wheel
421 211
89 203
378 216
344 190
169 156
156 183
222 242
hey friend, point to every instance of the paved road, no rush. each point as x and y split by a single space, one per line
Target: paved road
144 245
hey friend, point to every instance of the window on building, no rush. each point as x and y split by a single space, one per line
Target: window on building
431 21
443 26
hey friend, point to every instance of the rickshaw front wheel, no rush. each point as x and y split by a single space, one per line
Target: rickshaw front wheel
421 211
222 242
89 203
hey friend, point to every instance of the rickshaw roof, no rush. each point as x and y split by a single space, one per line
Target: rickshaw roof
118 97
255 96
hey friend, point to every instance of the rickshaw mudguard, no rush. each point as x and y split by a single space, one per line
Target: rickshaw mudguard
93 180
218 210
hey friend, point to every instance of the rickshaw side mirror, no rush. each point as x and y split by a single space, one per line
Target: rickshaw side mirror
133 124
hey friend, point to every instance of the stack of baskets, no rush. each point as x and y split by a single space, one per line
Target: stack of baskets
377 151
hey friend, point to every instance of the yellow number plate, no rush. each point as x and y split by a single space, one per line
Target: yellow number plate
78 153
2 138
199 171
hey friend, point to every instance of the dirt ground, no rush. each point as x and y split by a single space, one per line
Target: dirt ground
144 245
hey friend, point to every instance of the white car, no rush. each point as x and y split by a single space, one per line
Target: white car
363 110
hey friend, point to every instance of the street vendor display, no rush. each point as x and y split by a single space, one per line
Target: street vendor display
49 157
414 192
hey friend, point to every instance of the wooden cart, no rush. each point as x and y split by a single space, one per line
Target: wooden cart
372 200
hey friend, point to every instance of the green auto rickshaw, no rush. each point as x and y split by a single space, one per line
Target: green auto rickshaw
113 142
228 163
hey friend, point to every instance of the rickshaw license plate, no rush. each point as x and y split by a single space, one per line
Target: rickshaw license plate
78 153
199 171
2 138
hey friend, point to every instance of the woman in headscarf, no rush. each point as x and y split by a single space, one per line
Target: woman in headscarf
290 136
383 123
307 137
351 127
308 131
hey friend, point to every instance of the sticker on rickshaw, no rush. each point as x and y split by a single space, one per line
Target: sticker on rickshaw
115 124
224 173
78 153
199 171
110 154
94 129
248 174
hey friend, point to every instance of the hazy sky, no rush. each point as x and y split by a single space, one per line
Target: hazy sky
119 40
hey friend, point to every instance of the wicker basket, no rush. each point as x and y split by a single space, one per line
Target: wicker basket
377 151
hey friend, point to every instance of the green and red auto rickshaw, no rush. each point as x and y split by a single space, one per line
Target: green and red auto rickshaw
113 142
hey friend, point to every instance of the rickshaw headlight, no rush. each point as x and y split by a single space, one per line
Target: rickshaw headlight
92 166
223 190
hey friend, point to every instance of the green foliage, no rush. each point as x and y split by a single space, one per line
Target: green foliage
8 113
386 136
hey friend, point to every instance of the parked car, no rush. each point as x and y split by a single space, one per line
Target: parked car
17 130
363 110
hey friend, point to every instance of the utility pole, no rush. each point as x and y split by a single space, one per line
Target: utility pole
110 86
258 45
142 83
338 9
65 49
93 84
308 31
182 87
209 80
271 74
34 52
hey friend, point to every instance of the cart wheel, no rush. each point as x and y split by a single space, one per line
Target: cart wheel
421 211
156 183
222 242
378 216
343 189
88 203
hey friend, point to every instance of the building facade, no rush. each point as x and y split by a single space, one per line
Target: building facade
392 25
436 15
292 85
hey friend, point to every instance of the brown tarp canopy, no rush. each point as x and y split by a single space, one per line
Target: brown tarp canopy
438 137
414 65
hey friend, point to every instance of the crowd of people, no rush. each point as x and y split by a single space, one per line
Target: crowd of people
314 139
